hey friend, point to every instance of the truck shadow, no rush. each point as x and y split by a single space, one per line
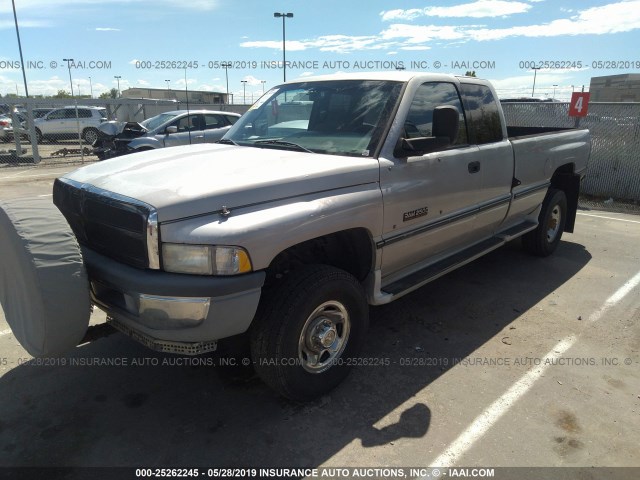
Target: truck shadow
149 409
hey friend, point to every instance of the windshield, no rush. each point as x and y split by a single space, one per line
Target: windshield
154 122
339 117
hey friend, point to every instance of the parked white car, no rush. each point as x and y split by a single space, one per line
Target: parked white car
61 123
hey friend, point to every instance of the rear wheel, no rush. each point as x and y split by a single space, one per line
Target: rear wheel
545 239
308 330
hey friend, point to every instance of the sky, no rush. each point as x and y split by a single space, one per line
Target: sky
173 43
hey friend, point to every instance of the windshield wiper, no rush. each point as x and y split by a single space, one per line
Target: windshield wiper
284 143
227 141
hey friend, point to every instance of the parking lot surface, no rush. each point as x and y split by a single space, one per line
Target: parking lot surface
510 361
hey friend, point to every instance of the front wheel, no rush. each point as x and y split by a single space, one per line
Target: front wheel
544 240
90 135
308 331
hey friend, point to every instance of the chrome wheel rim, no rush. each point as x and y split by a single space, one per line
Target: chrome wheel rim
90 136
553 225
324 337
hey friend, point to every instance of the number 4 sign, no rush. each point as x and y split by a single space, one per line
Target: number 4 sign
579 104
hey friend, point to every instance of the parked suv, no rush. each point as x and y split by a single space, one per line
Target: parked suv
61 123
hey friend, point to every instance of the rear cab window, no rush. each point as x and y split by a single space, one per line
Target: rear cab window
483 113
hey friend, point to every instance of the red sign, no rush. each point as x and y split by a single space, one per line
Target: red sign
579 104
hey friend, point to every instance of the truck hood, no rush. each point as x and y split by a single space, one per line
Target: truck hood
199 179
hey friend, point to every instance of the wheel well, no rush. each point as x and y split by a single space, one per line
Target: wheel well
565 179
350 250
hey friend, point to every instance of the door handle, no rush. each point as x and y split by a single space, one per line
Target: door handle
474 167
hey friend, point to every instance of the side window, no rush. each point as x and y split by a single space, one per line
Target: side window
231 119
187 123
484 115
70 113
212 121
84 113
56 115
419 122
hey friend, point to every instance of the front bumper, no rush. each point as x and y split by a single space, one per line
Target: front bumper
169 311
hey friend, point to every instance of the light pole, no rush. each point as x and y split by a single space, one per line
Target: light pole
226 66
24 75
118 77
263 82
244 92
535 72
168 84
90 87
554 91
284 56
75 101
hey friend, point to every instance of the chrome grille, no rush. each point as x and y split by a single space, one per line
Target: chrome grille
104 222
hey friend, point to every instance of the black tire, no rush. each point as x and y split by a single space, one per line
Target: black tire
544 240
320 300
90 135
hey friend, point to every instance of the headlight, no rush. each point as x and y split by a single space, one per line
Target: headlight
205 259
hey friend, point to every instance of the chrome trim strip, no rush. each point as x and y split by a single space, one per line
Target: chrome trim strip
153 240
496 202
505 199
531 190
425 228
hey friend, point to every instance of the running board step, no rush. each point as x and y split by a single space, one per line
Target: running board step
517 231
427 274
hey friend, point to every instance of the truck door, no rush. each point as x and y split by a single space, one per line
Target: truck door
430 201
496 161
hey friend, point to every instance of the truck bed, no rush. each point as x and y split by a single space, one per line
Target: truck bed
516 132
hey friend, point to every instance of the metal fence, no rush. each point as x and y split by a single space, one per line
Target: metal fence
614 168
63 130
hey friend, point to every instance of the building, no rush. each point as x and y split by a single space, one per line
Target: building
195 96
615 88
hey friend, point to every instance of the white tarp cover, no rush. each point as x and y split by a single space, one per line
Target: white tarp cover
44 289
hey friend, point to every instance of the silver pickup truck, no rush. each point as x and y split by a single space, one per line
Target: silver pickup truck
329 195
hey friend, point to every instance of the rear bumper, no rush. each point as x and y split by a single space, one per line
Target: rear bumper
163 308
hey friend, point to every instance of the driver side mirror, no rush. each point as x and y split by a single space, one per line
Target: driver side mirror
446 123
171 129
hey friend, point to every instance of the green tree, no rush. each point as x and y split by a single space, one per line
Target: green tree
113 93
62 94
470 73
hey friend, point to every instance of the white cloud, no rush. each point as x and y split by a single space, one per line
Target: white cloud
477 9
107 29
621 16
292 45
422 33
399 14
142 83
522 85
416 47
612 18
251 80
306 74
